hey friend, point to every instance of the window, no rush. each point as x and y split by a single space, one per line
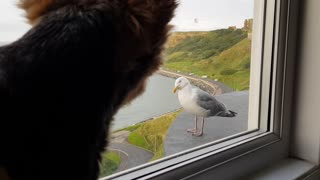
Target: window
270 29
210 45
273 43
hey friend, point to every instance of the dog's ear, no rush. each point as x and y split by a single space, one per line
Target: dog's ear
35 9
150 13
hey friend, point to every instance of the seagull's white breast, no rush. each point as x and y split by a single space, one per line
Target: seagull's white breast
188 101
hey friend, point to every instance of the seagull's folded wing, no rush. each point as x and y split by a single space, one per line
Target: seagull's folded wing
208 102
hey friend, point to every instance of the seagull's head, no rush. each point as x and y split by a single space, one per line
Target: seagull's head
180 83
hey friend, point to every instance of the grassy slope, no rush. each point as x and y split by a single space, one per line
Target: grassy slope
230 66
178 37
233 65
151 134
204 46
110 163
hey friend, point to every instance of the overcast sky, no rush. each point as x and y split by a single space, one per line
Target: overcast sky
192 15
204 15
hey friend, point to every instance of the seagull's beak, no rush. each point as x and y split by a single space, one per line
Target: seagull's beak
175 89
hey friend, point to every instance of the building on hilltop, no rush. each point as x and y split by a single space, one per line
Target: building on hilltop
232 27
247 25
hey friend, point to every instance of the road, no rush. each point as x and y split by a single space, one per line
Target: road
132 156
219 88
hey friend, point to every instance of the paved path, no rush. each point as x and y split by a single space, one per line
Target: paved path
131 156
124 159
135 155
215 128
219 87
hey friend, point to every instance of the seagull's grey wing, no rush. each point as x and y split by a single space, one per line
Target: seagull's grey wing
209 103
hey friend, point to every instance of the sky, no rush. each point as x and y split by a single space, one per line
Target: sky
191 15
205 15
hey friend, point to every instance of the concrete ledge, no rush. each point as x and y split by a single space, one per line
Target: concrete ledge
178 139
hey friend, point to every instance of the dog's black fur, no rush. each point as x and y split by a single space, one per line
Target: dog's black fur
62 82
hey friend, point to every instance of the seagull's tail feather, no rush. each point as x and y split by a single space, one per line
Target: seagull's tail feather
228 113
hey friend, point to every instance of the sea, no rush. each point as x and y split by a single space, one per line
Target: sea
157 100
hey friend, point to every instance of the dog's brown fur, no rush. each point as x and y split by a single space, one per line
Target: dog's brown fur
66 78
35 8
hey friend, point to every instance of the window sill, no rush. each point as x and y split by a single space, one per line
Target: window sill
202 160
288 168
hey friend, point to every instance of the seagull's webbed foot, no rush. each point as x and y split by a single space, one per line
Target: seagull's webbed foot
194 130
197 133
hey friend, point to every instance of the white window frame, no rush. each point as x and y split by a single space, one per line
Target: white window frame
243 153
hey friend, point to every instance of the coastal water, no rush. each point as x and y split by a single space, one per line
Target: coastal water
155 101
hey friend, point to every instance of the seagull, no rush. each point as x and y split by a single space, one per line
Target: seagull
199 103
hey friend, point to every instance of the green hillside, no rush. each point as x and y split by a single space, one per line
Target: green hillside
204 46
221 54
177 37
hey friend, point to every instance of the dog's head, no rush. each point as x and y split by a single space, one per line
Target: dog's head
141 31
146 30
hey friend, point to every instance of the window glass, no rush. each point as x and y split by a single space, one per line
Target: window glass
210 46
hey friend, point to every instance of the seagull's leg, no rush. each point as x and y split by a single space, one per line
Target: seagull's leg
201 132
196 126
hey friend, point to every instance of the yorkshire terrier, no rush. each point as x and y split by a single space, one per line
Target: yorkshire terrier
64 80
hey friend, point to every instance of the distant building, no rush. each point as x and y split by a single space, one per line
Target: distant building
232 27
247 25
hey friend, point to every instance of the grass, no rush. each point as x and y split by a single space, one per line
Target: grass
178 37
110 163
231 66
203 46
150 135
138 140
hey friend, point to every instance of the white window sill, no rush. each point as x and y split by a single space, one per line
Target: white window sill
287 169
